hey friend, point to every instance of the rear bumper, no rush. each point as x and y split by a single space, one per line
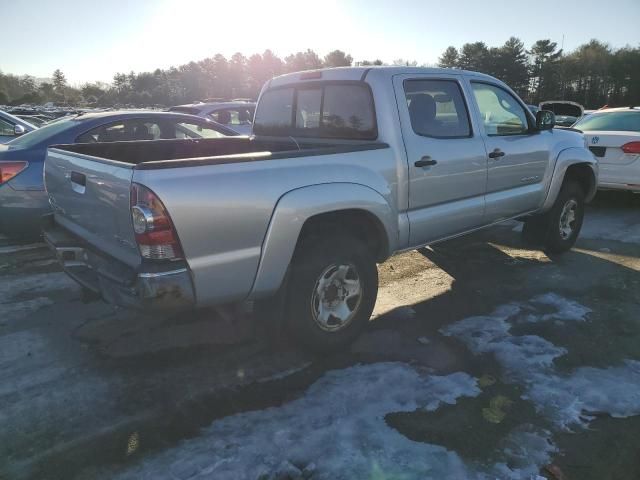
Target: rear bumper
620 177
149 287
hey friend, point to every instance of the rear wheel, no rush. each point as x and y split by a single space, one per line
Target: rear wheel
332 290
557 230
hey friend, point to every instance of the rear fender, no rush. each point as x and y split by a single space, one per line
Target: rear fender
296 207
567 158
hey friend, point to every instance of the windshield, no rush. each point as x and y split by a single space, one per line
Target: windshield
611 122
41 134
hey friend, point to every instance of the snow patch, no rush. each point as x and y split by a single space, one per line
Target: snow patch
623 226
13 285
528 360
337 431
338 425
14 311
21 295
21 248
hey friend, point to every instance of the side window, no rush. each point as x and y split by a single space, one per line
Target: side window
122 131
6 128
233 116
500 111
194 130
437 108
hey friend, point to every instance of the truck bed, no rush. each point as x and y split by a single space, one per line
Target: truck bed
174 153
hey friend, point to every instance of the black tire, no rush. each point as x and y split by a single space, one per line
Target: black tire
533 230
546 229
319 254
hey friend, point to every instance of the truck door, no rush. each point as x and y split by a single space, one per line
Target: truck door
518 155
447 158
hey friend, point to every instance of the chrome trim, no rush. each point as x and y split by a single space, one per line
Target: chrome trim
162 274
148 218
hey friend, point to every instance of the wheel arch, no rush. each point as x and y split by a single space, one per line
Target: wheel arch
353 207
576 164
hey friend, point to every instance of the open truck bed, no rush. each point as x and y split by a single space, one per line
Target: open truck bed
175 153
203 183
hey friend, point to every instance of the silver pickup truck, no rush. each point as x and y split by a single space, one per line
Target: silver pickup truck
345 167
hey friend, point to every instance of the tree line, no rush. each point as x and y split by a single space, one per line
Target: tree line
594 74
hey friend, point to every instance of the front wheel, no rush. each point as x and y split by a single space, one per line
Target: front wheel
332 290
557 230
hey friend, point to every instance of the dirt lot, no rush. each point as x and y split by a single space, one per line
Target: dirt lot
485 359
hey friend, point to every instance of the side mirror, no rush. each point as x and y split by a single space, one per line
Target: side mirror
545 120
18 130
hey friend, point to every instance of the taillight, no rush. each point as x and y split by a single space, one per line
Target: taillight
155 235
631 147
8 170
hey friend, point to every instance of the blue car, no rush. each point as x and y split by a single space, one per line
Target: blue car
23 199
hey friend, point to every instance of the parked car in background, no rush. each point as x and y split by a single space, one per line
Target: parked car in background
346 167
35 120
22 196
567 113
12 127
237 115
613 135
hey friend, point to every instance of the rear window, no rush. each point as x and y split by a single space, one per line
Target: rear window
611 121
325 110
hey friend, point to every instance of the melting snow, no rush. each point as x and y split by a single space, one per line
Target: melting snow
338 425
21 248
24 294
624 226
566 399
337 429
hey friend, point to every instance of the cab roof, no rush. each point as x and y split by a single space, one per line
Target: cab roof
365 72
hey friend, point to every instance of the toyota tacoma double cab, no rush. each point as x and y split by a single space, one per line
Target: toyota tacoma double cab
344 168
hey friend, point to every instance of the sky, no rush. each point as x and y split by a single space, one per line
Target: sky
91 40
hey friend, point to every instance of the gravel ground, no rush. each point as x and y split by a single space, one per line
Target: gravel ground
484 359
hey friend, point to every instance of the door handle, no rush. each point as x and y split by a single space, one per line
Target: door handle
497 153
79 178
425 161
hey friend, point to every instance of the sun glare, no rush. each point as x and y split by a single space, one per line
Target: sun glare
183 31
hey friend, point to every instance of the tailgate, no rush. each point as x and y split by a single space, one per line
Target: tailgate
90 197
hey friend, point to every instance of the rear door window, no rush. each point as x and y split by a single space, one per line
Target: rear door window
437 108
194 130
326 110
122 131
233 116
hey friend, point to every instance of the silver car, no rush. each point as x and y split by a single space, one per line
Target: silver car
236 115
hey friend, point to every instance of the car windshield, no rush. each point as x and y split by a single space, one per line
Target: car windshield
33 138
611 122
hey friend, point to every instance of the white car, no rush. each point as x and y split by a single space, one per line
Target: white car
236 115
613 135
